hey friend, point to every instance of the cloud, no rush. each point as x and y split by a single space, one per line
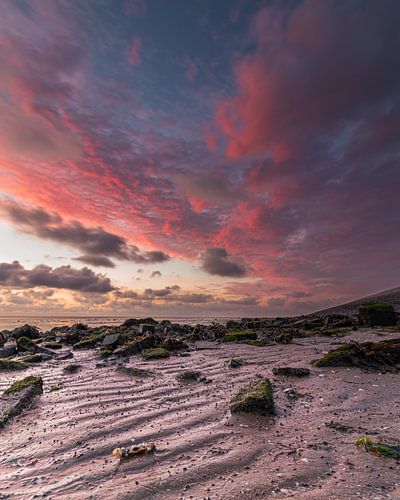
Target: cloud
215 261
66 277
154 274
134 51
97 244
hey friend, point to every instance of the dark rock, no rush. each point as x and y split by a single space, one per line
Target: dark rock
156 353
31 332
86 343
146 328
189 376
235 363
172 344
8 350
72 368
255 398
288 371
11 364
376 314
382 356
64 355
237 336
24 344
113 340
19 396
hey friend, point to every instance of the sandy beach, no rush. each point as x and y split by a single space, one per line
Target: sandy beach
62 446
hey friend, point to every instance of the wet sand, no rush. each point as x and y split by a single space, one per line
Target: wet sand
62 446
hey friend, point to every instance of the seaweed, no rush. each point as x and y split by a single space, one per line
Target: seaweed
22 384
390 451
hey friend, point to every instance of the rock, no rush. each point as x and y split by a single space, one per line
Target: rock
26 345
382 356
33 358
72 368
11 364
189 376
64 355
130 322
235 363
137 346
31 332
86 343
237 336
146 328
8 350
112 340
287 371
52 345
18 396
156 353
135 372
255 398
172 344
376 314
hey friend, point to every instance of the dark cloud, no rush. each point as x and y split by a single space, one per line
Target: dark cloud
154 274
216 261
82 280
97 244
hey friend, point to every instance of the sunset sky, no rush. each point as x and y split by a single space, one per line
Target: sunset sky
195 157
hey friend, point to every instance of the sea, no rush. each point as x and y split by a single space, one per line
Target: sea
45 323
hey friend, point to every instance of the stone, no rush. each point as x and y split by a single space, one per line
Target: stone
288 371
376 314
112 340
8 350
31 332
24 344
255 398
18 396
146 328
156 353
235 363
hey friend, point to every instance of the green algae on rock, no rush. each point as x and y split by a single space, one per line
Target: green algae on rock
383 356
18 396
287 371
391 451
155 353
237 336
26 344
12 364
255 398
377 314
86 343
33 358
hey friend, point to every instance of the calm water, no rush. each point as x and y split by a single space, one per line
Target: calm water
47 322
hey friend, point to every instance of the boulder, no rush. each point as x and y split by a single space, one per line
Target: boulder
24 344
146 328
287 371
112 340
19 396
156 353
8 350
31 332
255 398
376 314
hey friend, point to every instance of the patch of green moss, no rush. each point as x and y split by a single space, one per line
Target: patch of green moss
155 353
135 372
11 364
255 398
26 344
189 376
287 371
86 343
22 384
391 451
237 336
104 352
33 358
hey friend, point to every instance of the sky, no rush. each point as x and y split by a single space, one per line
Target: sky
183 158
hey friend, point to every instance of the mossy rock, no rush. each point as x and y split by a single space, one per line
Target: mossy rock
156 353
377 314
104 352
383 356
135 372
255 398
12 364
287 371
24 344
33 358
390 451
238 336
189 376
24 383
235 363
86 343
193 337
53 345
72 368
